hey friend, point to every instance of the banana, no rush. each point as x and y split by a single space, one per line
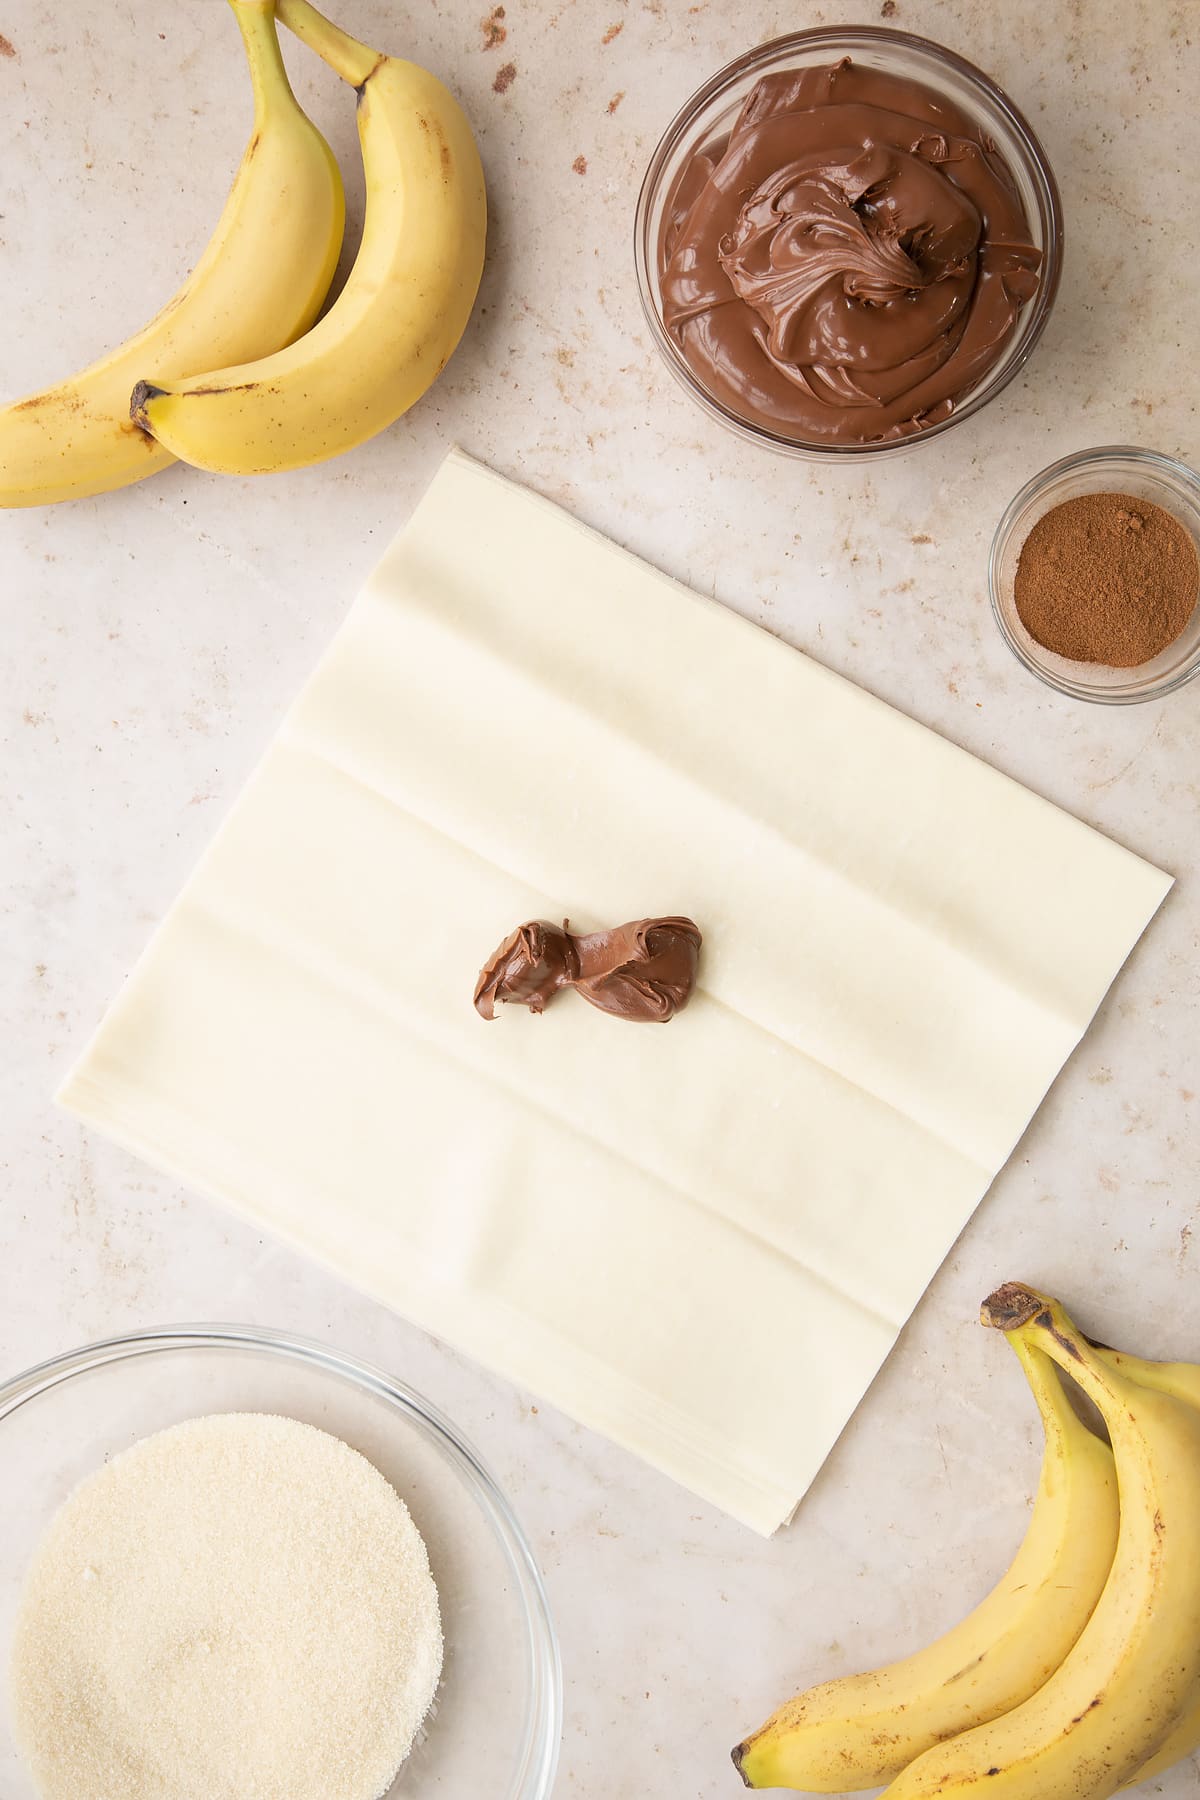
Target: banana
403 310
1182 1380
861 1731
259 284
1135 1670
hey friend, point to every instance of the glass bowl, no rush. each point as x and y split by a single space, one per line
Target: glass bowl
495 1727
710 114
1115 468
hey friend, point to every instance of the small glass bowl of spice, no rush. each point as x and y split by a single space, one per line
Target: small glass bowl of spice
1094 575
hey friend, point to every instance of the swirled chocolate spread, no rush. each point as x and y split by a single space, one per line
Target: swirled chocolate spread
644 971
849 262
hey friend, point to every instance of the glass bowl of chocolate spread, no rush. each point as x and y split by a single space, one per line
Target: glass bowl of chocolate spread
847 241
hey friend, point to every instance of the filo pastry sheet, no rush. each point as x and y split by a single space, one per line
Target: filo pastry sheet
702 1238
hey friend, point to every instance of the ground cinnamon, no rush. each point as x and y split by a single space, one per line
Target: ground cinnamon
1107 578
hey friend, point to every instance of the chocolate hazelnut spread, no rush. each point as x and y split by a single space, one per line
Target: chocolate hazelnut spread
644 971
850 261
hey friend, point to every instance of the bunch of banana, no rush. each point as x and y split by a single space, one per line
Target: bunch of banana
234 375
404 307
260 283
1080 1673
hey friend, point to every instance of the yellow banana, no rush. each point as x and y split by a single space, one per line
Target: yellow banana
1180 1379
1183 1381
259 284
1135 1670
403 310
860 1731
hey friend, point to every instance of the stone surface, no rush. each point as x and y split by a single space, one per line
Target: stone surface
152 639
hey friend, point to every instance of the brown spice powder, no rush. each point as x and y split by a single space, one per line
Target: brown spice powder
1107 578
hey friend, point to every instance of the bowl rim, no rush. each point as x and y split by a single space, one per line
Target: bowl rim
1100 456
832 36
534 1778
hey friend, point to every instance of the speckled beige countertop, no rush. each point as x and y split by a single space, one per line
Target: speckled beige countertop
153 637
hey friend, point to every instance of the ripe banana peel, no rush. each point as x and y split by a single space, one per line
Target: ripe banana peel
1133 1676
405 305
1182 1380
259 284
861 1731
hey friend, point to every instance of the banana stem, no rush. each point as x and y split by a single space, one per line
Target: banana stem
1026 1316
268 77
1059 1417
1011 1306
353 61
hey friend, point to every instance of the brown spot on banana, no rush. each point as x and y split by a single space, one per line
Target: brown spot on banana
1046 1323
130 428
361 89
965 1670
232 387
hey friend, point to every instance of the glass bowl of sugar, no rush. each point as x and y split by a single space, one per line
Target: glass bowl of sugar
493 1730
